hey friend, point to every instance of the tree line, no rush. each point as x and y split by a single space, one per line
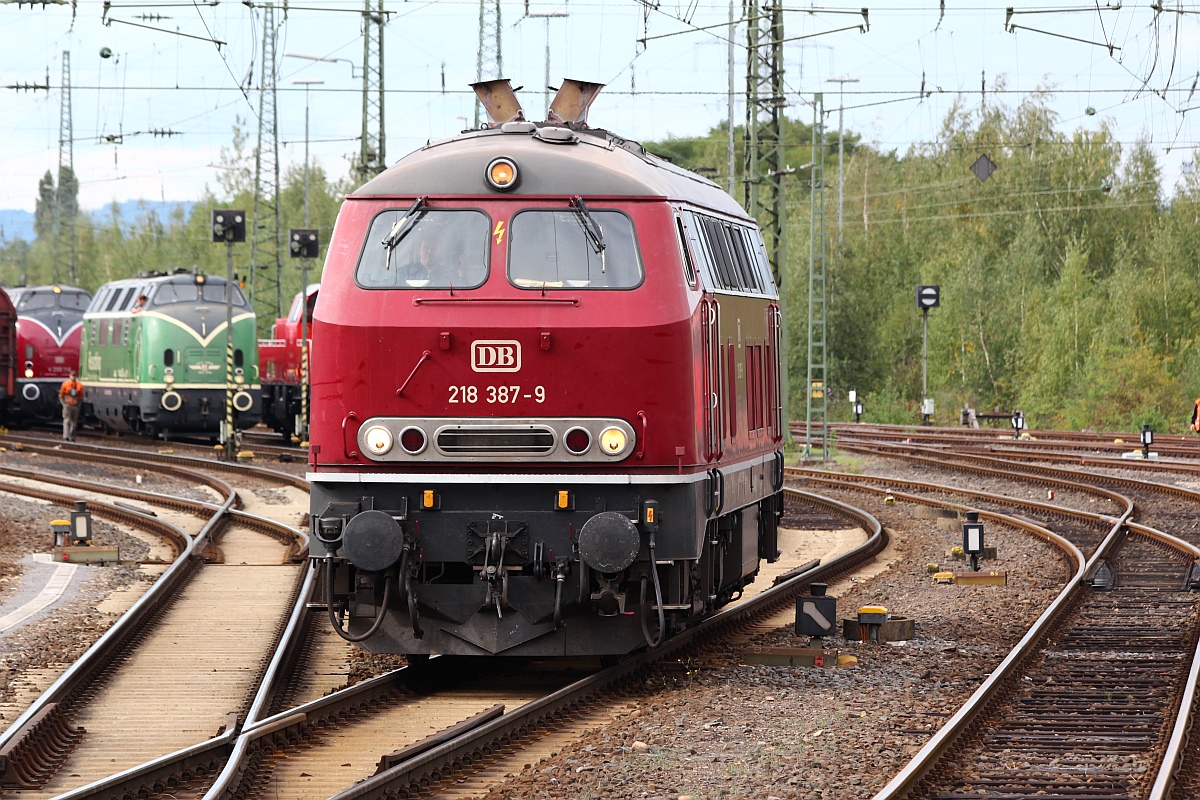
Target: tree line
1068 278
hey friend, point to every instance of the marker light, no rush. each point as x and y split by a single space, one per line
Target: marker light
564 499
577 441
427 498
613 441
378 439
412 440
28 372
502 174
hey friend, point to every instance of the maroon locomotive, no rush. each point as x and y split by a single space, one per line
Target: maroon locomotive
546 395
49 327
8 354
280 359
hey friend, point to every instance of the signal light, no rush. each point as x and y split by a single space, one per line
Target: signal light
412 440
577 441
303 243
228 225
502 174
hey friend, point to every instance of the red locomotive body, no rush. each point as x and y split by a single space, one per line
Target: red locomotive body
8 351
546 413
280 359
49 327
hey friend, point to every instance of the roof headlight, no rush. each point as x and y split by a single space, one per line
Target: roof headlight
613 441
378 440
502 174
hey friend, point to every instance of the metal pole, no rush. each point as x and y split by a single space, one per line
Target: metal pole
306 156
546 85
230 444
841 82
303 432
924 355
732 97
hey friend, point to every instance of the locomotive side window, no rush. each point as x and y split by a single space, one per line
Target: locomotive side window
689 269
442 249
552 249
731 256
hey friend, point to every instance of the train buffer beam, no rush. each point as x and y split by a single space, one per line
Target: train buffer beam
791 657
86 554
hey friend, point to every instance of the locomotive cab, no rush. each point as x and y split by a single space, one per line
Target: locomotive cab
546 413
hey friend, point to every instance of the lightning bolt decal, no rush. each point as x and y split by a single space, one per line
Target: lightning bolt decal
498 233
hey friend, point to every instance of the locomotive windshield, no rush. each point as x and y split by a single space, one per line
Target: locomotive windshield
552 249
443 249
46 300
189 292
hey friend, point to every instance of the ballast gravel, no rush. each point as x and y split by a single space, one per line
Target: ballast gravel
739 730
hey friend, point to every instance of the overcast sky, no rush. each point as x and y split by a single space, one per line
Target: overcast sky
166 73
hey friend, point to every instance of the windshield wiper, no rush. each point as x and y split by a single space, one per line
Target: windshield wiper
401 228
590 227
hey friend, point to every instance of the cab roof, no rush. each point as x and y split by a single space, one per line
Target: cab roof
551 160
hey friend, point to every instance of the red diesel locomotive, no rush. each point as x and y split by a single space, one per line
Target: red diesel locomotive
546 395
280 360
49 327
8 354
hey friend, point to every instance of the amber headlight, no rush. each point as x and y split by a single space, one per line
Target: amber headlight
502 174
378 440
613 441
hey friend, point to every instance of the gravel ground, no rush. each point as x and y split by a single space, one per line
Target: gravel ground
62 634
747 731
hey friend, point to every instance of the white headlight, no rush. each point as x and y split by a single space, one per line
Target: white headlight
378 440
613 441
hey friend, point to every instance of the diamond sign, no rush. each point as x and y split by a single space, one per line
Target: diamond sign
983 167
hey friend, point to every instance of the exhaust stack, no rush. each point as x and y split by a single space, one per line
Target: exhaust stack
571 103
500 101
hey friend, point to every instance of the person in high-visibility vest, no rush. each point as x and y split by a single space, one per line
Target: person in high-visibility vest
1196 416
71 397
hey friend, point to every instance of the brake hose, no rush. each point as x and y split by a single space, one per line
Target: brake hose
662 617
333 616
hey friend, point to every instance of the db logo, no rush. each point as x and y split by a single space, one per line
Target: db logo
496 356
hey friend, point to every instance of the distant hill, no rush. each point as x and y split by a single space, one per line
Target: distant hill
17 224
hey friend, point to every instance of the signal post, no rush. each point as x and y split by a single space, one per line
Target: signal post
303 243
229 226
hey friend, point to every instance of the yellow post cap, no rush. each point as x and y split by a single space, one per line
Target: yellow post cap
872 610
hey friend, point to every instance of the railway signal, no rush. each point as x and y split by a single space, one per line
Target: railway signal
229 226
927 297
1018 422
972 532
816 613
303 243
1147 440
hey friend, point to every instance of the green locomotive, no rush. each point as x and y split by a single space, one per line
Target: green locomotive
152 359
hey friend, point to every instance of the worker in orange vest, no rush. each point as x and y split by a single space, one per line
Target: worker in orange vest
70 395
1196 416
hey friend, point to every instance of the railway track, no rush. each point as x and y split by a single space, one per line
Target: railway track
123 702
277 750
1095 702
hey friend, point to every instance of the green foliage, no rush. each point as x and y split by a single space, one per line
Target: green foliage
1068 277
